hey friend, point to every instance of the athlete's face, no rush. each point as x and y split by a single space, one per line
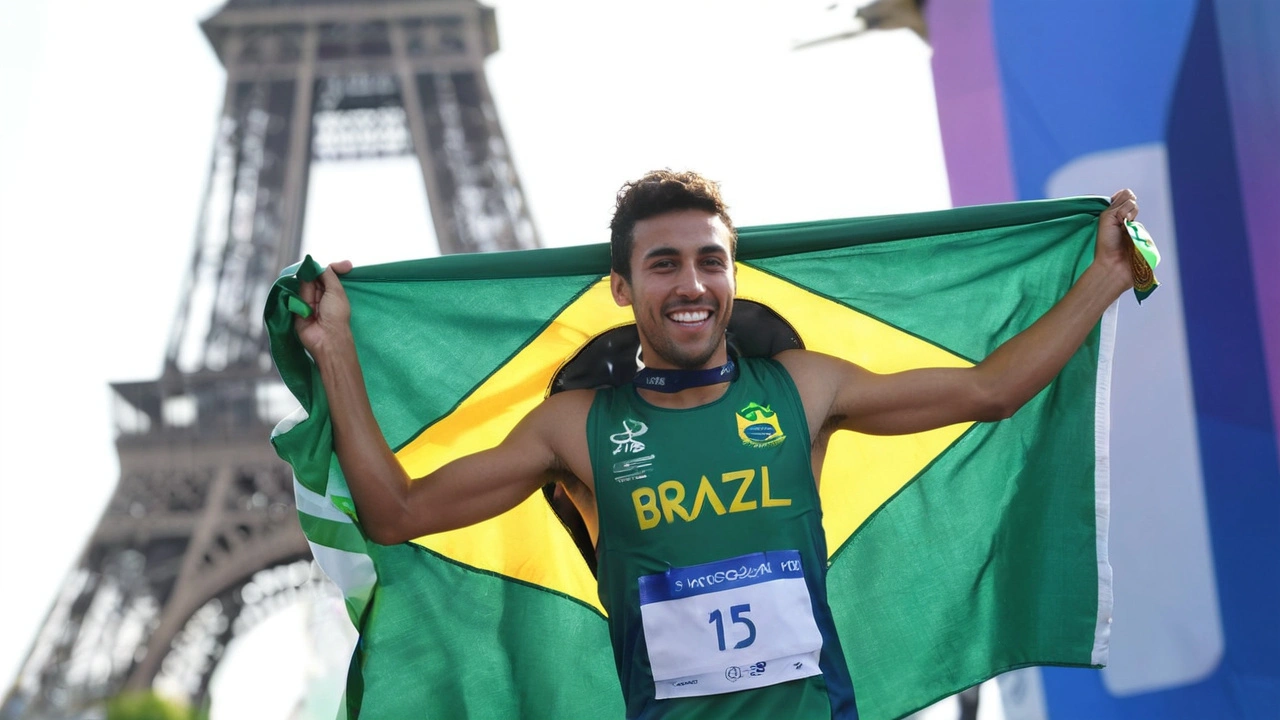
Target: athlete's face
681 289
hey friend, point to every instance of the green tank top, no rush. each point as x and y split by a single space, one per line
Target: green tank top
712 558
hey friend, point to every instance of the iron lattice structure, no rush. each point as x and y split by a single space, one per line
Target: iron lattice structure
200 539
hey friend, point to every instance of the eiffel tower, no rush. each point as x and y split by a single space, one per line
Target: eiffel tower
200 541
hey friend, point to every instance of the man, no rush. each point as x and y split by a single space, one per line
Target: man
697 483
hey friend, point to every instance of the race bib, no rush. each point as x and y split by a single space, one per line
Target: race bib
735 624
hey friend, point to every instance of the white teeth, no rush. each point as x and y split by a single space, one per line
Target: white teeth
690 317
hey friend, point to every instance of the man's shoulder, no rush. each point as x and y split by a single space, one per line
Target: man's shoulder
798 359
817 376
567 401
564 414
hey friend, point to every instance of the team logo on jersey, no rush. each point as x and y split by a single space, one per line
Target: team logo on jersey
758 426
626 440
632 468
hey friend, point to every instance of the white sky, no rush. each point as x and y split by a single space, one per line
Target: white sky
107 116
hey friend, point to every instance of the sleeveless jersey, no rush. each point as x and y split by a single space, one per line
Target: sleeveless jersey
712 558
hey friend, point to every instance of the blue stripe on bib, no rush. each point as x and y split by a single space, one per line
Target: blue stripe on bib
720 575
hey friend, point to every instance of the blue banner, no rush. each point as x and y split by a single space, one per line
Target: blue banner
1179 100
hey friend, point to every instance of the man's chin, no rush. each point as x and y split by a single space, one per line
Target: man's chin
692 362
685 357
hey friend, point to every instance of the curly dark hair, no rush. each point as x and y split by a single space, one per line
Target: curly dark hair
659 192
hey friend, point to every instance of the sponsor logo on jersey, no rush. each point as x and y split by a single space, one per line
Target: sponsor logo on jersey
635 468
626 440
758 426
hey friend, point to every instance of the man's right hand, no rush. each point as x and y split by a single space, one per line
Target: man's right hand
330 320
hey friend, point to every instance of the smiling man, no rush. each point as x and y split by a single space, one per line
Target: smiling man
697 482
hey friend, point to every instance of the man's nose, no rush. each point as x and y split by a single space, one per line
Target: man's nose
691 283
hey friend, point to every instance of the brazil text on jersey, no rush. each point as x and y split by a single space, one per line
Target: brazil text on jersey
667 502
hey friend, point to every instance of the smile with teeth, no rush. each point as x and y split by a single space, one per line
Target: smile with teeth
690 317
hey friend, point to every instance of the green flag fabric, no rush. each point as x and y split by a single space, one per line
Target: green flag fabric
955 554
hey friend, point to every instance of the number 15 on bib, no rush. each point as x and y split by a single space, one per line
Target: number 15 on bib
745 622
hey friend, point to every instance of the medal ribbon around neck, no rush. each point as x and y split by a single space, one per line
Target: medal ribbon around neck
673 381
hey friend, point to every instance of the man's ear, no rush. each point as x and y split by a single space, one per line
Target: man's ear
621 289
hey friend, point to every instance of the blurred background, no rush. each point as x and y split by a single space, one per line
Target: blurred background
157 169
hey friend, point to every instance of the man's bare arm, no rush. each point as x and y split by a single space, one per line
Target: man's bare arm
393 508
846 396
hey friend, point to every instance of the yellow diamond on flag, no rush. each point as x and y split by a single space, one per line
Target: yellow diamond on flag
528 543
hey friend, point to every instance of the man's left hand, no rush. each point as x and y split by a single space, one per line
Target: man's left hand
1114 247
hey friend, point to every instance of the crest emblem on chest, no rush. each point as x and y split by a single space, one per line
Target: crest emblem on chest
758 426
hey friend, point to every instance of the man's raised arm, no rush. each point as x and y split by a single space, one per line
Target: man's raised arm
849 397
392 507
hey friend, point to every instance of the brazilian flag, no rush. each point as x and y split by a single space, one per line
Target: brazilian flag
956 554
